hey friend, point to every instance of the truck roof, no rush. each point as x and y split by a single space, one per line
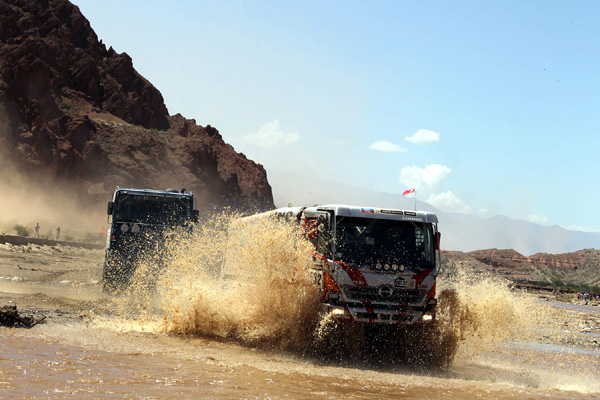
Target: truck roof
172 193
364 212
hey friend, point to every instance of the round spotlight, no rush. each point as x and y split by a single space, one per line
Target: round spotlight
386 267
124 228
378 266
135 228
394 267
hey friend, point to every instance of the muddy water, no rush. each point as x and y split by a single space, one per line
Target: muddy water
249 331
95 363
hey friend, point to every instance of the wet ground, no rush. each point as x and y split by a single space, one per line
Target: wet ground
90 346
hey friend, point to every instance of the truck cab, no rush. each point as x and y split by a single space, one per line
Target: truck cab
372 265
138 220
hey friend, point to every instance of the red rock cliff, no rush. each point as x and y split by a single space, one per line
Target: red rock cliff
73 112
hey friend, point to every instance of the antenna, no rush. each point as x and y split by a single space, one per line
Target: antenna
415 200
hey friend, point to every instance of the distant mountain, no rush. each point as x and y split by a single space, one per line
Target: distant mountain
471 233
576 270
460 232
76 114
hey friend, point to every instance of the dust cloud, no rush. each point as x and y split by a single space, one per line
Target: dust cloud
27 200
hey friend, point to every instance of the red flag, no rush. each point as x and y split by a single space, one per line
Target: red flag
408 191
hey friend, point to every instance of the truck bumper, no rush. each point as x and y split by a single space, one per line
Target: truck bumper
407 316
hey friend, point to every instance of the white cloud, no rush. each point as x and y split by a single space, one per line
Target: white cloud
423 137
419 178
448 202
270 136
537 219
387 146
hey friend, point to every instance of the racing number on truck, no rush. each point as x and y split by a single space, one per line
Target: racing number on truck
316 277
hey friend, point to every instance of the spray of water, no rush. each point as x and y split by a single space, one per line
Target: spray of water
247 280
240 279
479 312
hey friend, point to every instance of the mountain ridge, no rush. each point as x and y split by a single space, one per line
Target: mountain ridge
78 115
578 270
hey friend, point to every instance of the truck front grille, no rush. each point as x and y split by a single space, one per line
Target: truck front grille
374 294
384 317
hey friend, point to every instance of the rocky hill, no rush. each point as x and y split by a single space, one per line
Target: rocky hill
75 113
569 270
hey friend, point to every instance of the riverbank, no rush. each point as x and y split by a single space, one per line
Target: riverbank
26 240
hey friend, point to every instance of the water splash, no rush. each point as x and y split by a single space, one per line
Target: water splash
478 312
248 281
241 279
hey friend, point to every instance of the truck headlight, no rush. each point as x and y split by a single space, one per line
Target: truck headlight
339 313
124 228
336 312
427 317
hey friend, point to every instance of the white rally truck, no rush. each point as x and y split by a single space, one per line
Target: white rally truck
373 265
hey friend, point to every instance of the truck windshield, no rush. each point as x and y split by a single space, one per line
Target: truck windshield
365 241
152 209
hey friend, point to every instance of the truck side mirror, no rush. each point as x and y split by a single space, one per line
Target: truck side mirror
323 223
110 208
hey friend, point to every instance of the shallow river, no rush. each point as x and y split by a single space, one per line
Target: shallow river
56 361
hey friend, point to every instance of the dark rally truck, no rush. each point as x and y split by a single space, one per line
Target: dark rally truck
139 219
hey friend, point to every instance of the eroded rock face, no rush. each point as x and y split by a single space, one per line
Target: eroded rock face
512 260
74 112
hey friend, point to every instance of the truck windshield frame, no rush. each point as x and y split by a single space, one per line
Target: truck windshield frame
152 209
364 241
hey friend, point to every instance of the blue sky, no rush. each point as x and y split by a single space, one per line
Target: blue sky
485 107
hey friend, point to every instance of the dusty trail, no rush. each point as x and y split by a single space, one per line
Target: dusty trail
94 346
